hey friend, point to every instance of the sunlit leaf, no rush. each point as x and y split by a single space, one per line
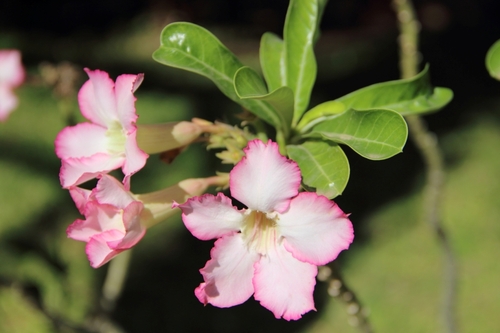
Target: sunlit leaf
300 63
493 60
374 134
324 166
409 96
195 49
279 103
319 113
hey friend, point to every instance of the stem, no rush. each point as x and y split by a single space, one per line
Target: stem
427 143
358 315
115 278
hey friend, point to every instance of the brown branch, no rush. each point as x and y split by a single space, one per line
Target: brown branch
337 288
428 146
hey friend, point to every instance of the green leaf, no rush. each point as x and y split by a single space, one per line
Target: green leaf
493 60
193 48
300 63
409 96
374 134
324 166
318 114
279 103
271 60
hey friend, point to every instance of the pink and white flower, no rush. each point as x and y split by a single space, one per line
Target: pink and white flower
11 76
112 220
108 142
272 248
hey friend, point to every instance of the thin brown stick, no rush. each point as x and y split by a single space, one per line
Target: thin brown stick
428 146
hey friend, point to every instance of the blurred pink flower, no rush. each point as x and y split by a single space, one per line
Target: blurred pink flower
108 142
11 76
112 220
272 248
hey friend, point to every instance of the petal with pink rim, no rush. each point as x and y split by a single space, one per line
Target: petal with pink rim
125 100
80 196
228 275
265 180
81 140
136 158
135 231
315 229
284 284
75 171
208 216
97 98
98 250
110 191
83 230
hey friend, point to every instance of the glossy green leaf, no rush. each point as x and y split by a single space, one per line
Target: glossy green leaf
195 49
277 105
318 114
271 60
493 60
374 134
324 166
300 63
409 96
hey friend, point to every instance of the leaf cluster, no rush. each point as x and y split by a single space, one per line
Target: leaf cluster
370 120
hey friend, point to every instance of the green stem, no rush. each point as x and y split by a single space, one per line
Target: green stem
427 143
115 278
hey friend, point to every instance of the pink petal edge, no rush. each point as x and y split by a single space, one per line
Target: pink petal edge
264 180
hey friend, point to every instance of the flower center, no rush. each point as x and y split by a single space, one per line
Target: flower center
116 138
259 231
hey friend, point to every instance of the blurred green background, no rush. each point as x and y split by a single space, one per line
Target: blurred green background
395 265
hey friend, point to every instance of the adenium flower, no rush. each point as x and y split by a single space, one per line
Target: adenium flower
116 219
108 142
272 248
113 222
11 76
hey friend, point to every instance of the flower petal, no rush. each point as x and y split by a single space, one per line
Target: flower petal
315 229
208 216
264 180
75 171
97 98
136 158
284 284
83 230
228 275
98 250
110 191
135 231
80 196
125 101
81 140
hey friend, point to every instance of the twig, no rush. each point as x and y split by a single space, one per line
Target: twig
427 144
358 315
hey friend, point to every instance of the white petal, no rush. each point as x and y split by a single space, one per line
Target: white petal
264 180
97 98
208 216
81 140
284 284
228 275
315 229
